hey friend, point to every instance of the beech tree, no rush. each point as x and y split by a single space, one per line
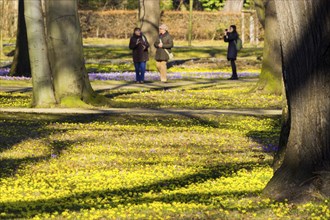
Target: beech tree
304 27
65 45
55 47
21 62
43 92
149 14
271 72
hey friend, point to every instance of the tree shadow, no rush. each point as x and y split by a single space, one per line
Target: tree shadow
16 130
173 63
133 195
267 140
13 132
154 87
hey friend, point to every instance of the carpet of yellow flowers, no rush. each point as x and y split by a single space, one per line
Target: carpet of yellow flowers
141 166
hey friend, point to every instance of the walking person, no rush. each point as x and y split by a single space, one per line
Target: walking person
163 45
231 36
139 45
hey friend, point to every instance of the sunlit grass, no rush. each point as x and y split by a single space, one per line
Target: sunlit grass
195 94
182 166
140 167
108 55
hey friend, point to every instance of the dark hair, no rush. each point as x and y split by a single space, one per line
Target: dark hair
137 29
233 27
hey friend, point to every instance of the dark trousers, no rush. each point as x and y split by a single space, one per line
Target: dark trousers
233 68
140 69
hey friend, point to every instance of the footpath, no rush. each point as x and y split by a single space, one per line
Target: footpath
140 111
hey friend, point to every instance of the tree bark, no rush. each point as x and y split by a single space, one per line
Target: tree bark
305 40
234 6
271 72
1 29
271 80
43 92
259 6
70 77
149 13
21 62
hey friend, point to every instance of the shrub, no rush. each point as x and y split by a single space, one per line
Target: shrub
206 25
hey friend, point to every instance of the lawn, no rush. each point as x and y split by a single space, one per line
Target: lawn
140 167
187 93
109 55
149 166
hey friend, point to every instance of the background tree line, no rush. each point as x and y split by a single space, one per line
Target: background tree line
200 5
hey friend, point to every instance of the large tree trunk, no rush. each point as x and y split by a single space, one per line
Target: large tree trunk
21 62
271 80
1 28
271 72
305 40
43 92
149 13
234 6
70 77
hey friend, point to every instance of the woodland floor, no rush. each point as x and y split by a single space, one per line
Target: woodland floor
194 148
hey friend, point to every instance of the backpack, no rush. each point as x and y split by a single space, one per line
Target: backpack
239 44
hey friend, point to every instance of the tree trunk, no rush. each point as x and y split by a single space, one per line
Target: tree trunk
234 6
43 92
271 72
271 80
70 77
149 13
21 62
305 40
1 29
259 6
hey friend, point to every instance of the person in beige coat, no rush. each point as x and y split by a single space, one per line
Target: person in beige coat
164 45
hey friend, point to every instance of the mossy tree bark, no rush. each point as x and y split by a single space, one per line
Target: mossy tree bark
271 72
43 92
271 77
65 46
149 14
305 40
21 62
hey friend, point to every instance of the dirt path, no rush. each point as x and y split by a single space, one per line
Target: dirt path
141 111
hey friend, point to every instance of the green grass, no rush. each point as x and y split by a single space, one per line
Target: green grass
213 94
208 58
108 55
193 94
178 166
140 167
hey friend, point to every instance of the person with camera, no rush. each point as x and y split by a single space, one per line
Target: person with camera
231 37
163 52
139 45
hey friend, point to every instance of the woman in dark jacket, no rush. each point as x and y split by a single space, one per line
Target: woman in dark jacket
163 45
139 44
231 37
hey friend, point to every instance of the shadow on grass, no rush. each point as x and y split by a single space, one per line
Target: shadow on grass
35 126
107 52
268 140
173 63
20 128
10 166
132 195
192 85
13 132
